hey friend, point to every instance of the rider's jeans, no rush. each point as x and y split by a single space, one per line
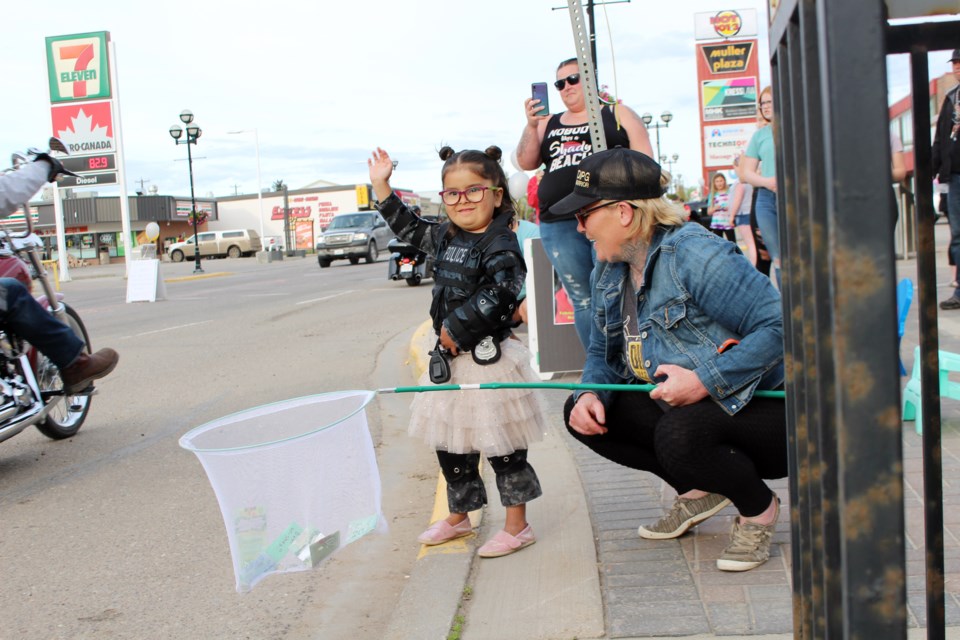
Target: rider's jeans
23 315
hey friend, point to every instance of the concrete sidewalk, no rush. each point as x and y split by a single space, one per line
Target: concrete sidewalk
591 576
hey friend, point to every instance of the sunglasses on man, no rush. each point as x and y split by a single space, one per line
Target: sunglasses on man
573 79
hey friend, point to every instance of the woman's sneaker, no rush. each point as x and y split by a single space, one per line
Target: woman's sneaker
953 302
749 545
685 513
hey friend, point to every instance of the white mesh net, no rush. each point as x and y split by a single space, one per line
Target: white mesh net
296 481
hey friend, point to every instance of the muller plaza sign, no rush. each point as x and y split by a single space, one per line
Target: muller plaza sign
728 77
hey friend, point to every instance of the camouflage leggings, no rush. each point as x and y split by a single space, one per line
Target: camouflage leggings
516 480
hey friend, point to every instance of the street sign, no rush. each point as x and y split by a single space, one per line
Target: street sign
88 180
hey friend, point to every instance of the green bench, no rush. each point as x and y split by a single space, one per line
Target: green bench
949 363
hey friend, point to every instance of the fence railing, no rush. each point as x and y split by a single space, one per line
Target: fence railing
828 62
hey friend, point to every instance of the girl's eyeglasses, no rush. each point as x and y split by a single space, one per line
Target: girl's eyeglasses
562 82
475 194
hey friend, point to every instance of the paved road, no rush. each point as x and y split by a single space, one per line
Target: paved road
116 532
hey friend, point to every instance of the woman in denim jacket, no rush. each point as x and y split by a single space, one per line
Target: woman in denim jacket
675 305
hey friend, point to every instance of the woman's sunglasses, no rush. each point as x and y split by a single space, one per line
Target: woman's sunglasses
562 82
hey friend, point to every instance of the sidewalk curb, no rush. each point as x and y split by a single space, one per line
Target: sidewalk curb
502 596
431 598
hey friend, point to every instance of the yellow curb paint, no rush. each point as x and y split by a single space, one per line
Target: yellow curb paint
417 357
440 509
198 277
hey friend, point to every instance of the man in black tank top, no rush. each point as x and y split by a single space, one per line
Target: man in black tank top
560 142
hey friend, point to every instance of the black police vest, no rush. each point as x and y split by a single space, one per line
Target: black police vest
458 271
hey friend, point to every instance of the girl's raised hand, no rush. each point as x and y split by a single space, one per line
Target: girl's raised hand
380 166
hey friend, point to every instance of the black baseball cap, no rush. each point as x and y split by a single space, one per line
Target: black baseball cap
955 56
614 174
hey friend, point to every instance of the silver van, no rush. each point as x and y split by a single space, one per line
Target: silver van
231 243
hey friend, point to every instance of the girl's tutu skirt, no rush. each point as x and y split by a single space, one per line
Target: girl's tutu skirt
491 422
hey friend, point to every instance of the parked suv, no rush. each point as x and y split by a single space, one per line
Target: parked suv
232 242
353 236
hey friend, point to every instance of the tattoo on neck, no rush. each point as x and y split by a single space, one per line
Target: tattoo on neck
635 255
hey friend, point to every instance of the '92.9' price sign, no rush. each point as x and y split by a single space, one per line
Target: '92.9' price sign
86 164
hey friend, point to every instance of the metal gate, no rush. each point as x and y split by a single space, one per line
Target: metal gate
835 209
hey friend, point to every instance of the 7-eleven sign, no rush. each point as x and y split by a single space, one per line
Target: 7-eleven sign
77 66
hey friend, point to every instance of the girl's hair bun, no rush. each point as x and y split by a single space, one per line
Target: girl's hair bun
446 152
494 152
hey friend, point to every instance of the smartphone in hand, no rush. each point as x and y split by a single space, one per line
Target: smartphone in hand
538 90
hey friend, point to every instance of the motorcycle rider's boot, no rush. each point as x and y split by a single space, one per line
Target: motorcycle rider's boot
87 368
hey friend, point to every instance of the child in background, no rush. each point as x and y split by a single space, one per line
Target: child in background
741 204
718 206
478 275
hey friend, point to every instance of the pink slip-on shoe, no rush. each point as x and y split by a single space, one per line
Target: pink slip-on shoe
441 531
503 544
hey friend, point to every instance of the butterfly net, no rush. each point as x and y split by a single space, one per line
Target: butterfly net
296 481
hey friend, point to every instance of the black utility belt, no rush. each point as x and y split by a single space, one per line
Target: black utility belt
486 352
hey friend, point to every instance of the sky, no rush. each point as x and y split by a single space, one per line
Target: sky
325 83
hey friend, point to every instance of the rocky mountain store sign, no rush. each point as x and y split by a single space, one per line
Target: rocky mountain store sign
77 67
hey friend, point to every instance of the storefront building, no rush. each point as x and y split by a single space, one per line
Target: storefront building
93 227
310 211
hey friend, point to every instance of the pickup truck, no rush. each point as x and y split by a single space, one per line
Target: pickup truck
353 236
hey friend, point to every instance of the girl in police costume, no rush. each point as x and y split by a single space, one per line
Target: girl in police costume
478 274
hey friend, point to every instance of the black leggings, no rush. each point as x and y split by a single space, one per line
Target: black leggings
517 482
698 446
729 234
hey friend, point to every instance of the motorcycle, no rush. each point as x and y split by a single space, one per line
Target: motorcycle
408 263
31 390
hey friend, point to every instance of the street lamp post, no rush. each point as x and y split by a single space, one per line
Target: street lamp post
666 116
256 142
664 160
193 133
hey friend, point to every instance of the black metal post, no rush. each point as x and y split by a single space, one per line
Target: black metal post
917 40
193 207
929 345
833 174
